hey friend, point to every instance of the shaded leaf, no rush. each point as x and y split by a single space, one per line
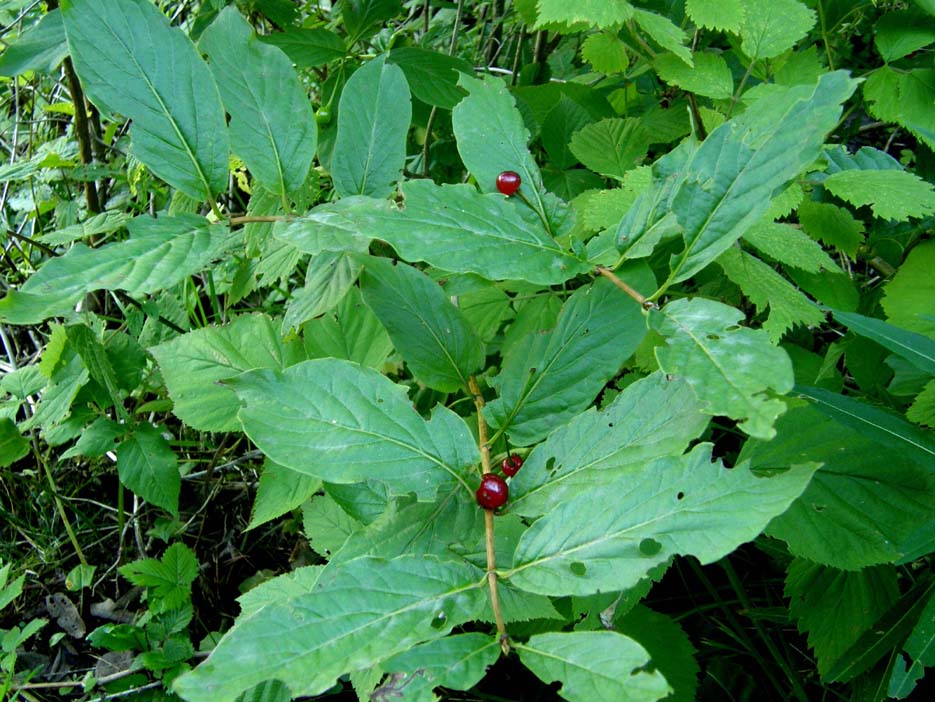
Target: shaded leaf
132 62
148 466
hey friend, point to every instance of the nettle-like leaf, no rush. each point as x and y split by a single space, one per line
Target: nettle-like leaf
857 511
730 368
13 445
717 14
170 578
554 376
605 52
596 13
593 665
345 423
193 363
132 62
272 127
455 228
373 119
664 32
904 97
834 607
430 333
891 194
723 187
710 76
922 409
772 28
789 246
611 147
652 418
765 287
683 505
159 253
148 466
357 615
907 296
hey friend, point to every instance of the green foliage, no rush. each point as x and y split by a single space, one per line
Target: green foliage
258 277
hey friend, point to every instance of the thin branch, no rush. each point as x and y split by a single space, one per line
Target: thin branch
82 132
607 273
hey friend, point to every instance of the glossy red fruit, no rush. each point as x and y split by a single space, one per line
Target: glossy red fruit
493 491
511 465
508 182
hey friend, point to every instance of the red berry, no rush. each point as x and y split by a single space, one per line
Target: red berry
508 182
493 491
511 465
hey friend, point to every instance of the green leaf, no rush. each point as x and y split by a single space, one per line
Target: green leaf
102 223
456 662
835 607
904 97
357 615
65 381
901 438
772 28
326 525
272 127
351 332
670 648
298 582
894 195
919 350
611 147
279 491
327 227
652 418
901 32
432 76
789 246
148 466
552 377
454 228
13 445
40 47
593 665
922 410
373 119
683 505
730 368
306 47
605 52
159 253
907 296
597 13
363 17
921 648
169 578
328 278
430 333
193 363
709 77
563 120
664 32
344 423
729 180
132 62
764 287
832 225
95 359
727 15
858 510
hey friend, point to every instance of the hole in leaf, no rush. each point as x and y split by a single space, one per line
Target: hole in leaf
680 496
818 508
650 547
578 568
712 337
550 464
610 424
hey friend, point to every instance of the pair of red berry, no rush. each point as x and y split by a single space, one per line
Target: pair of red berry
494 491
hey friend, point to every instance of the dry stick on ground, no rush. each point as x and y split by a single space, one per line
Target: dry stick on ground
488 518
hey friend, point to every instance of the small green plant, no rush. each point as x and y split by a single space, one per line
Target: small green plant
13 638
